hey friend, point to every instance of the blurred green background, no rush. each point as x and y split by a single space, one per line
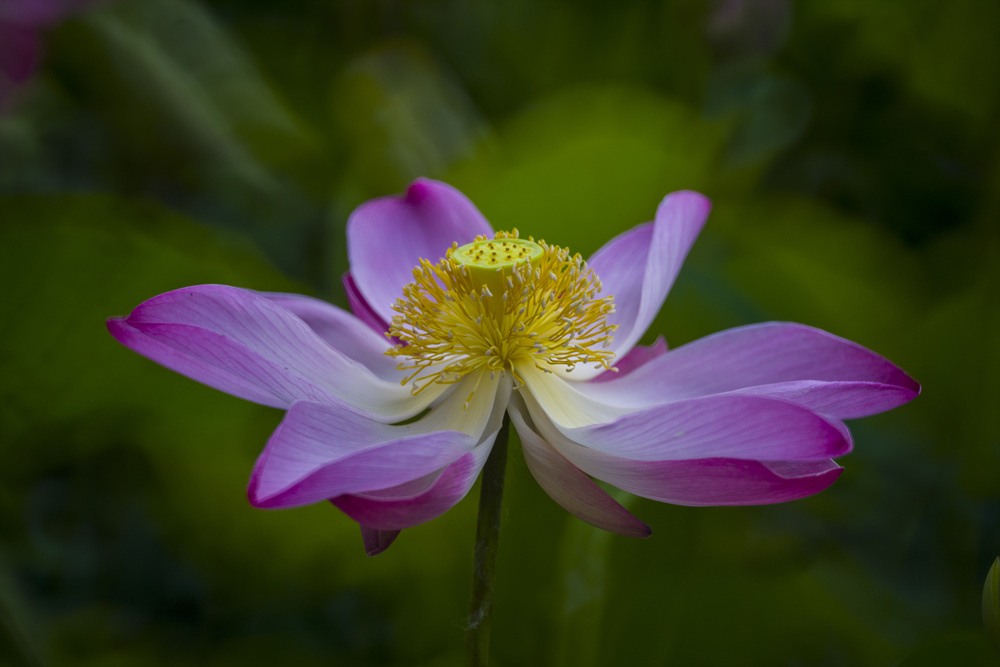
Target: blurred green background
851 148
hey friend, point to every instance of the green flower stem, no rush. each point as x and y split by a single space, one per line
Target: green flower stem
477 647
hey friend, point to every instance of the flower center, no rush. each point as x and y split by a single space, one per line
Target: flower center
496 304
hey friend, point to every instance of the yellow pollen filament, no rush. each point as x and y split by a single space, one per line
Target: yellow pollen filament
495 304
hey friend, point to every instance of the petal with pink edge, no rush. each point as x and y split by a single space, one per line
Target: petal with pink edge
397 508
570 487
705 480
387 238
722 426
342 331
360 307
716 481
321 451
842 378
243 343
376 541
638 267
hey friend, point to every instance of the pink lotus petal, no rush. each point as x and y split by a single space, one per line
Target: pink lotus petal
570 487
323 451
704 478
719 426
391 511
214 360
20 51
387 238
637 357
714 481
242 343
376 541
760 359
360 307
842 400
343 331
639 267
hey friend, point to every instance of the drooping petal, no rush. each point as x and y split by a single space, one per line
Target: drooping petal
710 480
715 481
800 363
570 487
376 541
387 238
243 343
397 508
360 307
638 267
321 450
343 331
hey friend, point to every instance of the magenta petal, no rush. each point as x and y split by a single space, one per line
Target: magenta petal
843 400
721 426
637 357
212 360
390 511
243 343
703 479
20 51
760 359
321 451
343 331
387 238
638 267
376 541
360 307
571 488
716 481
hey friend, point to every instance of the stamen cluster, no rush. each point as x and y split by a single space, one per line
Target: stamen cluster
451 321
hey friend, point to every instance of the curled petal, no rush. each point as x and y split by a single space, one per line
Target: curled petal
360 307
720 426
387 238
403 507
705 480
376 541
322 451
570 487
342 331
799 363
716 481
247 345
639 267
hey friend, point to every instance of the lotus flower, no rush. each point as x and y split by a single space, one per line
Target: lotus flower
392 410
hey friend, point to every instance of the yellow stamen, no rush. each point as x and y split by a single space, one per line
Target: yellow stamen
495 304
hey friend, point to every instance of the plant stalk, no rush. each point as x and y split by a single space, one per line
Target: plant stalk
477 646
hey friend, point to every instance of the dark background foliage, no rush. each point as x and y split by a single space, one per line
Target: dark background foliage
851 148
